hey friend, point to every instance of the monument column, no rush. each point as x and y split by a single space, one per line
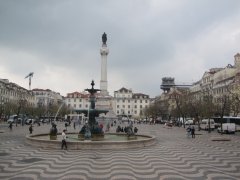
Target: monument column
104 52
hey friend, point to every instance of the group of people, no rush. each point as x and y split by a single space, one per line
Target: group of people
121 129
30 127
191 131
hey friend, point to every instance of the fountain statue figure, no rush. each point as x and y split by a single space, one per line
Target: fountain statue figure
92 113
53 132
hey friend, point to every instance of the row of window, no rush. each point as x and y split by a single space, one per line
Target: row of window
11 93
129 101
130 96
75 96
123 96
129 113
17 96
123 106
219 90
135 106
123 100
207 79
75 100
79 106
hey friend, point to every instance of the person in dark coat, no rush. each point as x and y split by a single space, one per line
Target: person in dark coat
135 130
193 132
31 129
10 126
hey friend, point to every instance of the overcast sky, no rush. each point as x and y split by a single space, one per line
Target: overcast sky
60 40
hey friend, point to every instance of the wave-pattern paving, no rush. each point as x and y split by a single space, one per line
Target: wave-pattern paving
174 157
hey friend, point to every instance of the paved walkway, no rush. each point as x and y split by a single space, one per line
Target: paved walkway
174 157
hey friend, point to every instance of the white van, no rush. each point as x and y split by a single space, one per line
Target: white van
12 119
189 122
227 128
205 124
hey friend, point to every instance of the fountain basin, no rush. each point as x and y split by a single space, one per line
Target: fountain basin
110 141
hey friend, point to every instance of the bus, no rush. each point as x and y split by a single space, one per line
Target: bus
227 119
228 122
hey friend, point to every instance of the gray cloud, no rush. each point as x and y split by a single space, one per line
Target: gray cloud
60 40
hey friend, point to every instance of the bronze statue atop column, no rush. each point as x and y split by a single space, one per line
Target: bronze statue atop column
104 38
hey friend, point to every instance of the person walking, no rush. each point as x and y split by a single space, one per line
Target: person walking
189 131
31 129
64 137
193 132
10 126
74 125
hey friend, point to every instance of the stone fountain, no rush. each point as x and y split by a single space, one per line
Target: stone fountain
91 135
91 129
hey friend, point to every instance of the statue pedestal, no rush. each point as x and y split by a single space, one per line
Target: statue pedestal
132 137
97 137
53 137
81 136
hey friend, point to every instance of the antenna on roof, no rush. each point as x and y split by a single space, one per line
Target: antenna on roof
30 75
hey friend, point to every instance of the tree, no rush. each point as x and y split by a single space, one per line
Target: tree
208 107
223 106
181 99
195 108
234 98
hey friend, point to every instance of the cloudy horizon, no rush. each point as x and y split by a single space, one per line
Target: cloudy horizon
60 42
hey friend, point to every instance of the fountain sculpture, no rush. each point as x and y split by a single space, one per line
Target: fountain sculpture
92 129
53 132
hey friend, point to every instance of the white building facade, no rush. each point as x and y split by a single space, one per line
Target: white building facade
13 95
125 102
11 92
217 81
46 97
77 100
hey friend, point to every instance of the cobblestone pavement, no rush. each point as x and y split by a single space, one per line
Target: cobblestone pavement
174 157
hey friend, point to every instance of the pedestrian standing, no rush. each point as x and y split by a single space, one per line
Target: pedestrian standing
64 138
189 131
193 132
66 125
31 129
10 126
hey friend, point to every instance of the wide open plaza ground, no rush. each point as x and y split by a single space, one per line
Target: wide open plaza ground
174 157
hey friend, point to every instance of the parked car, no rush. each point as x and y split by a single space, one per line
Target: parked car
30 121
189 122
12 119
44 120
168 124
